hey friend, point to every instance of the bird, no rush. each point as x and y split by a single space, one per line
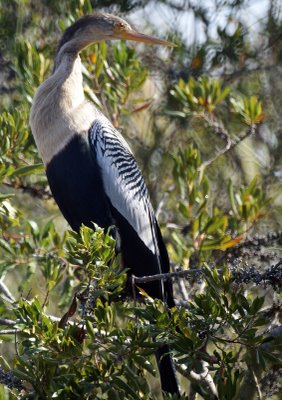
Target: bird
91 170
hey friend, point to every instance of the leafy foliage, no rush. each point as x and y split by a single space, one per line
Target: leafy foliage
64 295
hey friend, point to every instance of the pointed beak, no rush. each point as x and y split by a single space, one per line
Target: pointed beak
140 37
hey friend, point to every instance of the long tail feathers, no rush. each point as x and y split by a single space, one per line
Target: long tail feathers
167 371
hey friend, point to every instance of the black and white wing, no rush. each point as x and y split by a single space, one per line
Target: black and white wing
142 246
123 182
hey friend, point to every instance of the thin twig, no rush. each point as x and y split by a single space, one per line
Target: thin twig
45 300
8 332
230 144
161 203
257 384
5 321
16 343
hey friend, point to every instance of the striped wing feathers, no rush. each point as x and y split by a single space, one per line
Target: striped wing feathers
122 179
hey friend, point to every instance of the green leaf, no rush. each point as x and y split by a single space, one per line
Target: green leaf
243 302
23 376
7 247
113 394
6 196
222 95
272 358
144 363
28 169
256 305
124 386
90 329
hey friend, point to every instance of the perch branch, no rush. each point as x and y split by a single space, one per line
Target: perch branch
8 332
169 275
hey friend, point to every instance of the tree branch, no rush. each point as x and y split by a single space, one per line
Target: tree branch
8 331
257 384
271 276
34 191
8 322
224 134
203 377
164 277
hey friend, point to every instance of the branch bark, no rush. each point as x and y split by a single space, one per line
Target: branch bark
203 378
164 277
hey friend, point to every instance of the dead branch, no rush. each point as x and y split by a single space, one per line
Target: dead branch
221 131
164 277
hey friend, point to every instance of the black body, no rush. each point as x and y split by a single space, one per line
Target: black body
76 182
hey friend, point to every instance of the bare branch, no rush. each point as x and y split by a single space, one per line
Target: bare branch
203 377
169 275
8 331
270 277
220 130
206 378
8 322
257 385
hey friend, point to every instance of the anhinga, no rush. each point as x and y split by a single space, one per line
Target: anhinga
91 170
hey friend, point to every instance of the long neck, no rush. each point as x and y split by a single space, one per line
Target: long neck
67 81
63 91
59 110
58 95
69 51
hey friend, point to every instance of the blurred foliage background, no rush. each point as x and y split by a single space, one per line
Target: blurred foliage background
203 120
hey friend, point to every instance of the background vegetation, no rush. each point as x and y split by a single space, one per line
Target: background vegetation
204 121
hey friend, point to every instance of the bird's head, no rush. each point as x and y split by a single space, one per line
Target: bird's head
96 27
122 30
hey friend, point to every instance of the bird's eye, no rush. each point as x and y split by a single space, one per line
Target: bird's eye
120 26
